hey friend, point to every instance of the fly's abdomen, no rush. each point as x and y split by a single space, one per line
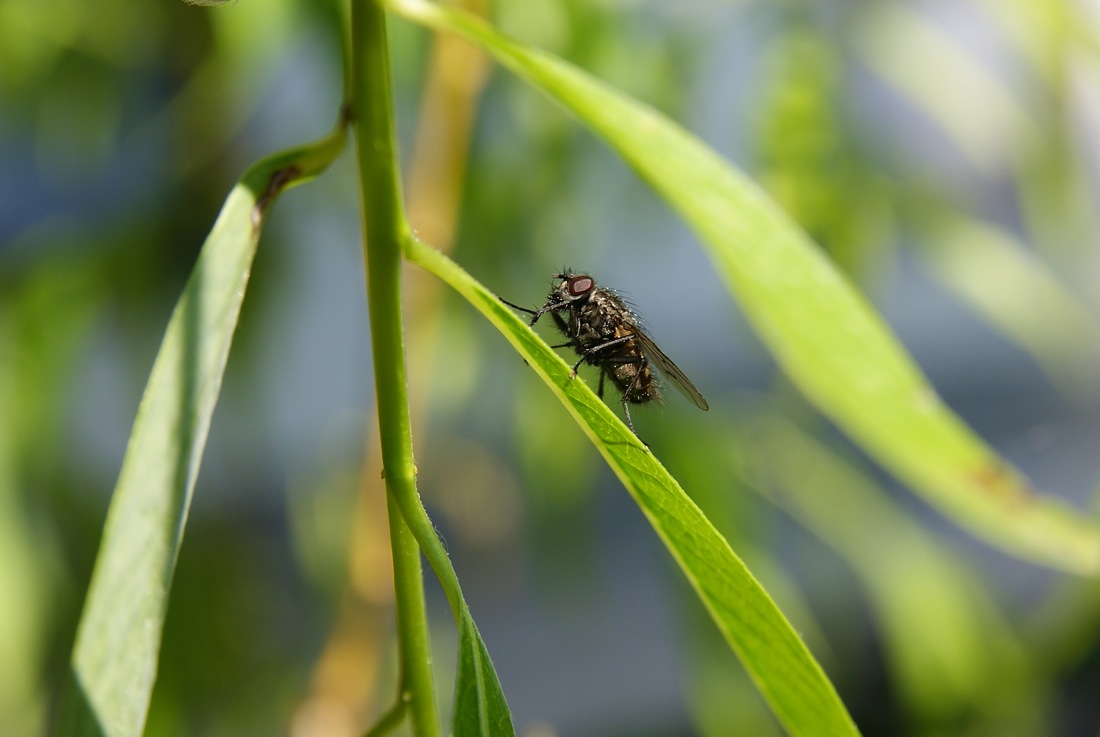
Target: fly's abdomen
631 373
644 389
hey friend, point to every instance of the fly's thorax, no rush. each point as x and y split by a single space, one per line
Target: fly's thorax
606 316
613 306
590 322
589 334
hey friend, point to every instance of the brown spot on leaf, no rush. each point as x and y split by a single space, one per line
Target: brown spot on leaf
1003 482
276 183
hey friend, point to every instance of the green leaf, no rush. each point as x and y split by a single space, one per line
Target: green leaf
946 81
819 328
949 647
114 659
989 269
479 706
776 658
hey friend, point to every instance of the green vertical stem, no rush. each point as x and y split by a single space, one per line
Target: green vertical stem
384 230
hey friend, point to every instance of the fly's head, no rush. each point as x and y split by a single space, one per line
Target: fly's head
573 289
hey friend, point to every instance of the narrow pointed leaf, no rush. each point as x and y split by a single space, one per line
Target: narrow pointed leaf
820 329
774 655
114 659
949 646
479 707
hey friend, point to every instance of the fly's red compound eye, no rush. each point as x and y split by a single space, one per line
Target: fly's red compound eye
580 285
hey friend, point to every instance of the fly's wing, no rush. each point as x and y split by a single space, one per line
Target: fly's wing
671 371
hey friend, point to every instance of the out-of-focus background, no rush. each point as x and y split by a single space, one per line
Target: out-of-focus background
945 153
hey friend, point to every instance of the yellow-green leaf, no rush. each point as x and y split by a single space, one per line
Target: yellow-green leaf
773 654
821 330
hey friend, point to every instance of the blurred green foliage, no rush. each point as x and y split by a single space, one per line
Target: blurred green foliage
896 133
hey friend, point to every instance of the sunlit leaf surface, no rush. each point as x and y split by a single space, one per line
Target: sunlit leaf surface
820 329
949 647
114 660
774 655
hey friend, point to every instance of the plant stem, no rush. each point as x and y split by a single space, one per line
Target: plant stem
390 720
384 230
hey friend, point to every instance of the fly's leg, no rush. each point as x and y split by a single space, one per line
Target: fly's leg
599 391
564 328
562 325
550 307
521 309
626 413
642 363
596 349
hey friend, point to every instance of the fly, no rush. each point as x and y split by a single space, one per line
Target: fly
607 334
